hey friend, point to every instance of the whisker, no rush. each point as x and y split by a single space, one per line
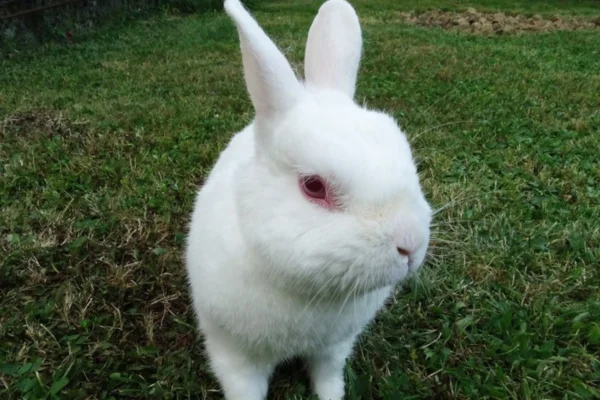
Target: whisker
452 203
323 286
452 222
446 241
418 135
437 101
356 282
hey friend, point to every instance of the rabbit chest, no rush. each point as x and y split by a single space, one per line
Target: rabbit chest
275 326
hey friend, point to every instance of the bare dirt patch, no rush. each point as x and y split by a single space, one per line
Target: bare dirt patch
498 23
40 122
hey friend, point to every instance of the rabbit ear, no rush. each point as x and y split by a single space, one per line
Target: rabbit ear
271 82
333 48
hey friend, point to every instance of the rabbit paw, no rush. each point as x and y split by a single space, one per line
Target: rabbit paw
327 371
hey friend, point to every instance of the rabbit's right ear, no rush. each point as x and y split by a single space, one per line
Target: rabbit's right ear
333 48
271 82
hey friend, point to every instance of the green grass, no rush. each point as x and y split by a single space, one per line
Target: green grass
103 145
78 21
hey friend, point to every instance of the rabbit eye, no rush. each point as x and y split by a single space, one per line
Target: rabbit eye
317 191
314 187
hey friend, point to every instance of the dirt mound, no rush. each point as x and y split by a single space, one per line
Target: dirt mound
497 23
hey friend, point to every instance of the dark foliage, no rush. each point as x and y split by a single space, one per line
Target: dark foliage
27 23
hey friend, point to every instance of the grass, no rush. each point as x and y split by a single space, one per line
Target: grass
77 22
103 145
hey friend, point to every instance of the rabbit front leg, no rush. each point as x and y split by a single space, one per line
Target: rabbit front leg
326 370
240 377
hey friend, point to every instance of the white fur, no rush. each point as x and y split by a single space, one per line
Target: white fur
273 275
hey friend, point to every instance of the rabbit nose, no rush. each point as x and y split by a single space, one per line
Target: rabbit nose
407 236
408 245
403 252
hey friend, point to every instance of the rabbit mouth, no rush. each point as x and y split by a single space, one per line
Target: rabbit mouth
411 264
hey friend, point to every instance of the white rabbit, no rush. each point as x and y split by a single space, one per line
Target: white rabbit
309 218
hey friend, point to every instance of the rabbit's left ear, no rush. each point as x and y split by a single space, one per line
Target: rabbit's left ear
333 48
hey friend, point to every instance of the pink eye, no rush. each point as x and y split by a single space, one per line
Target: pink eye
317 191
314 187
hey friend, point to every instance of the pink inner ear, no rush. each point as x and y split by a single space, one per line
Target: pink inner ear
317 191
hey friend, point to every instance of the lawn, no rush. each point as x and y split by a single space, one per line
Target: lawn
104 143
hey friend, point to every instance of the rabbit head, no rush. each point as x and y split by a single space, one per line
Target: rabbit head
331 201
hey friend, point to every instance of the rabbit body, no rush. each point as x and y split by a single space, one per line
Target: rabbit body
242 311
235 299
308 219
